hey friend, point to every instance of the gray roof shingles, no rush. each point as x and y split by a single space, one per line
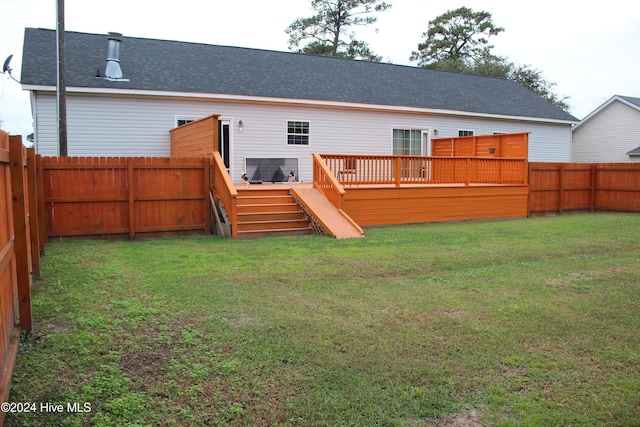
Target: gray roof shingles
634 152
635 101
160 65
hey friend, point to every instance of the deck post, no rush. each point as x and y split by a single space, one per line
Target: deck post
398 171
466 172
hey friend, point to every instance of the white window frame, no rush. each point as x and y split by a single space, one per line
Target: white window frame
471 132
424 144
308 134
187 119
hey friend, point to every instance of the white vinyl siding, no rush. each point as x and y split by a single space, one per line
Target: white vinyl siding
608 135
107 126
139 126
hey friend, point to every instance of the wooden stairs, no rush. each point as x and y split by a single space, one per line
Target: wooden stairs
269 212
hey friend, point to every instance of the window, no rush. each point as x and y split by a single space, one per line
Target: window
465 133
183 120
407 142
298 133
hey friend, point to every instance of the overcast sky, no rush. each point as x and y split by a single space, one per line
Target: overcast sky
591 52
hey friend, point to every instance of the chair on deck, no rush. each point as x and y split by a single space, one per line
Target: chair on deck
349 172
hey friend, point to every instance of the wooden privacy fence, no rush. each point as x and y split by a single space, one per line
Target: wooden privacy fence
508 145
20 248
403 170
571 187
126 196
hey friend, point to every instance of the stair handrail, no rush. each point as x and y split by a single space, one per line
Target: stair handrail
326 182
225 191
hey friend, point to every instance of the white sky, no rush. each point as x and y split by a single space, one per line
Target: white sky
591 52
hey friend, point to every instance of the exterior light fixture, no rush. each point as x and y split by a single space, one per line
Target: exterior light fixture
435 131
240 125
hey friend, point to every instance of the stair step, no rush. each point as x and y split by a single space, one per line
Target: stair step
277 207
263 212
272 225
271 216
258 192
256 200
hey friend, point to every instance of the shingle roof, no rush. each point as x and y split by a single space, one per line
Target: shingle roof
634 101
160 65
634 152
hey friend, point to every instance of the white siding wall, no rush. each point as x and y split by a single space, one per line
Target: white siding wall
118 126
105 126
608 135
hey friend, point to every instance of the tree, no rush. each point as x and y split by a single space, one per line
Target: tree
458 41
329 30
457 35
532 79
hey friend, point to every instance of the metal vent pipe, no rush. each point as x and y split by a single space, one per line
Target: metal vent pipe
113 70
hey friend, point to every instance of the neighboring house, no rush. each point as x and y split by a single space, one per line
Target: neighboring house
611 133
271 104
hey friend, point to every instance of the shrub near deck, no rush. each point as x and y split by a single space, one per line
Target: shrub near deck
516 322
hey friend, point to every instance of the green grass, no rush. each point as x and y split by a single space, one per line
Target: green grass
523 322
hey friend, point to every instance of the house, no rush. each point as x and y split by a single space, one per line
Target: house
124 95
611 133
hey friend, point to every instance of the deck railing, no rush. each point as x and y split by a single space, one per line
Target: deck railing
405 170
225 191
325 181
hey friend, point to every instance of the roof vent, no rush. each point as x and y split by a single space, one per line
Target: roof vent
113 71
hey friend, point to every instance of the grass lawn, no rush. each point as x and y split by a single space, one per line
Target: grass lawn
526 322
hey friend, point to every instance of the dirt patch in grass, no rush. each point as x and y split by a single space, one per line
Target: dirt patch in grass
468 418
146 367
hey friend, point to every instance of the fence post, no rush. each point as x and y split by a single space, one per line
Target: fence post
529 193
593 187
42 225
561 190
34 221
132 211
206 170
20 232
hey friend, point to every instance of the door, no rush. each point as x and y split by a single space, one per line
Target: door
225 141
426 146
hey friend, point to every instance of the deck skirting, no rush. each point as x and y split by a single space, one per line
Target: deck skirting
409 205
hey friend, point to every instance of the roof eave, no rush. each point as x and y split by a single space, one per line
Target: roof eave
295 101
605 105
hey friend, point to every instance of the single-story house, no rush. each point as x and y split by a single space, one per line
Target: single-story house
125 94
611 133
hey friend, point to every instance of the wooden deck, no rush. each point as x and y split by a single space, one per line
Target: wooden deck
385 190
374 205
370 206
330 220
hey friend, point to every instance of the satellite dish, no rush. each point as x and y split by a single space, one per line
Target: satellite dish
5 67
